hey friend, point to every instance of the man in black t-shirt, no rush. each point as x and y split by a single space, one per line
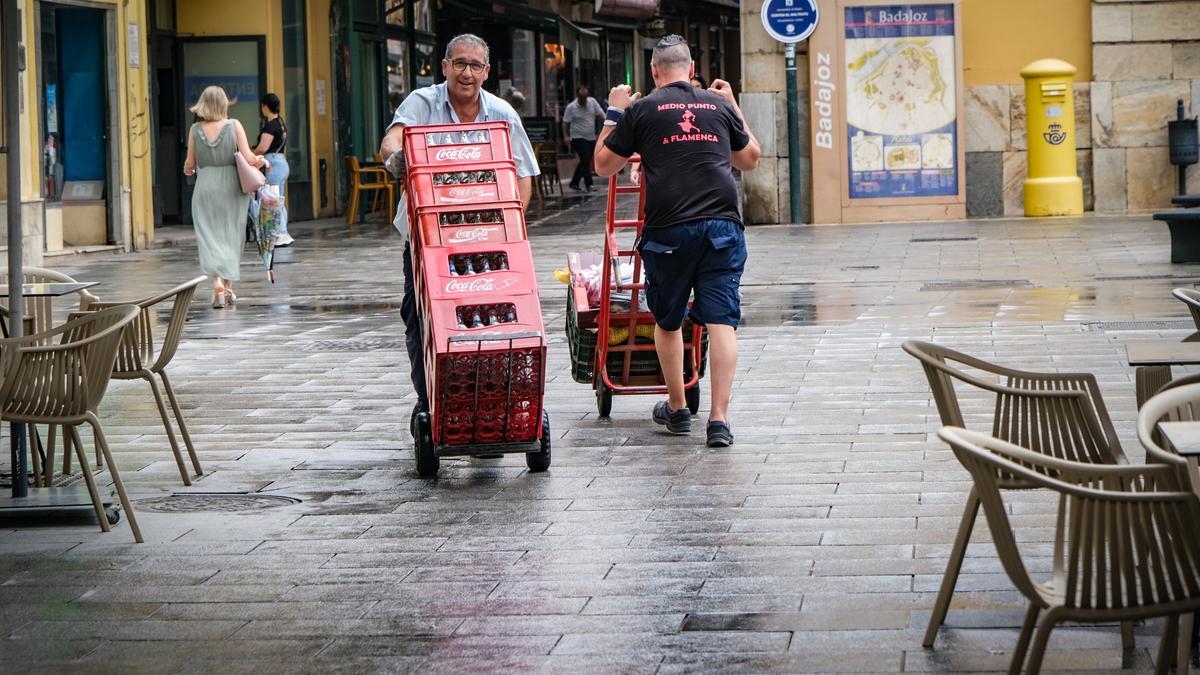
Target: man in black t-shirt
692 241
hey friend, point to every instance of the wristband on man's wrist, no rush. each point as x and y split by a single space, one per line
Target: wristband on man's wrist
613 115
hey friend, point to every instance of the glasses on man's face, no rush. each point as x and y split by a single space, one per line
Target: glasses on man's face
462 64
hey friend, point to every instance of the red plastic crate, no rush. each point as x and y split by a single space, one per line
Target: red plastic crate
428 230
486 382
456 144
423 189
518 278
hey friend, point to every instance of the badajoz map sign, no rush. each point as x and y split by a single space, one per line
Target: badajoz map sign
885 103
901 121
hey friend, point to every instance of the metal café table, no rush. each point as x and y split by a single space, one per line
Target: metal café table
55 497
47 290
1185 438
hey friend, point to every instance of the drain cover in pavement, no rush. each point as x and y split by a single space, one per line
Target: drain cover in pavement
1172 324
929 240
213 501
352 345
973 284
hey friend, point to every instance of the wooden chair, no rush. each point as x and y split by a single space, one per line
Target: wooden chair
1055 414
1126 544
368 179
62 384
547 160
137 359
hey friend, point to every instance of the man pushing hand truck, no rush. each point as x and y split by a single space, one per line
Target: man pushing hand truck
692 242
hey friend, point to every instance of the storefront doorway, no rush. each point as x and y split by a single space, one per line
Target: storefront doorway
77 92
236 64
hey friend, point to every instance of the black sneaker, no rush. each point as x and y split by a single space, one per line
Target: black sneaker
678 422
719 435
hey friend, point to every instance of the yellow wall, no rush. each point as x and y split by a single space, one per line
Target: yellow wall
1000 37
133 119
264 17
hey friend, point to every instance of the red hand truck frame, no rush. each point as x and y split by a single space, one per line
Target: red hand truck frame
627 382
486 388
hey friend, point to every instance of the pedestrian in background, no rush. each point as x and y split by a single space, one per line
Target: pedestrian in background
579 122
699 81
460 99
218 204
692 240
272 139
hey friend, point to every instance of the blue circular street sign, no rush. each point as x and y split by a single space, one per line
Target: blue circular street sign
789 20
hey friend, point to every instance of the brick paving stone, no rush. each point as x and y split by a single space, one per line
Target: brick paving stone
815 544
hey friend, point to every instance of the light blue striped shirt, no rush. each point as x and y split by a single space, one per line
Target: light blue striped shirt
431 105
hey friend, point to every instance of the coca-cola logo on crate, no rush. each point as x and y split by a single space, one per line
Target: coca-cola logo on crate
466 194
459 154
473 234
484 285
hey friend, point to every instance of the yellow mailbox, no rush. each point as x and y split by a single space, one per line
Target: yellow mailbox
1053 188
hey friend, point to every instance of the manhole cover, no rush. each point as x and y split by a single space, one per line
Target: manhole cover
210 501
352 345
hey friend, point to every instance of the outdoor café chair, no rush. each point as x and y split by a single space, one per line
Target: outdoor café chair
62 384
1126 542
1056 414
38 312
1178 402
1149 380
137 360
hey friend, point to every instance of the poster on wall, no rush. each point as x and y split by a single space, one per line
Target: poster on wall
901 113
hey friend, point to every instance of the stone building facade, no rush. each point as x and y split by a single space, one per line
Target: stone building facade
1135 60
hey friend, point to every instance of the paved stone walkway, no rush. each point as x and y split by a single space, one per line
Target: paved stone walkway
815 543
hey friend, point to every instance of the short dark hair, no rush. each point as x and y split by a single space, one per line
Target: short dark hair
582 88
703 82
671 52
271 101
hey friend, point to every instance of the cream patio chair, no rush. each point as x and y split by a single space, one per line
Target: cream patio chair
1179 401
137 360
1057 414
1126 543
1149 380
62 384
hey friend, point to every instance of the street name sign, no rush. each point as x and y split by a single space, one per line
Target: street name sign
789 21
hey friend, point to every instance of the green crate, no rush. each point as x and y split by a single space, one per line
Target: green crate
582 343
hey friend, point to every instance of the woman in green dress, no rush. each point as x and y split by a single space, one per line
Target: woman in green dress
219 206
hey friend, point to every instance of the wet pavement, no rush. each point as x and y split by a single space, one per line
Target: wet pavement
814 544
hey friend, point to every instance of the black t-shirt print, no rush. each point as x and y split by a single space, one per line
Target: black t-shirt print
684 135
278 134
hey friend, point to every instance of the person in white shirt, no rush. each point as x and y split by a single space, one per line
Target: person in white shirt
459 100
579 130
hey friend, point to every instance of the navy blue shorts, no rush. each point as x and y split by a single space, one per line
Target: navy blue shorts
703 256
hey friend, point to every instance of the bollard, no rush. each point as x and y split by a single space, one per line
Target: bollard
1053 188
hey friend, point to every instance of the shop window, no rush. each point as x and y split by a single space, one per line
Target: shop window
397 72
295 84
164 15
554 61
524 72
394 12
423 15
424 66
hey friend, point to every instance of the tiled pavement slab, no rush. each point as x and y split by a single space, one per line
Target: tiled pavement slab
814 544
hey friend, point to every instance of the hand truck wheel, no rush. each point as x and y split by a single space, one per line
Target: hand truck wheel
603 398
693 398
113 514
540 461
427 459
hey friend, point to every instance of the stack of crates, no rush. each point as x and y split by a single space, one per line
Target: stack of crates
485 348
